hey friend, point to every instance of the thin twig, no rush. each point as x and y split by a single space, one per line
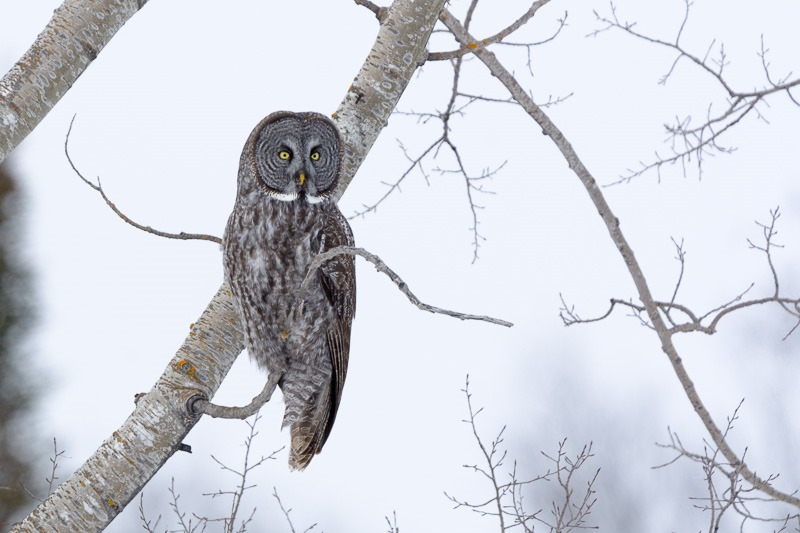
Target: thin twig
415 163
568 513
702 140
237 495
489 456
496 38
472 183
50 480
725 492
186 527
392 523
97 187
148 525
287 511
715 315
54 463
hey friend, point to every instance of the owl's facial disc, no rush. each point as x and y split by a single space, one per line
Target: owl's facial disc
298 157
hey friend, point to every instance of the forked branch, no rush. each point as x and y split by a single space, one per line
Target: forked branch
615 232
705 323
569 512
496 38
696 141
728 495
445 144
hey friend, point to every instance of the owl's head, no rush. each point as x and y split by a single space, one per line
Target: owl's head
294 155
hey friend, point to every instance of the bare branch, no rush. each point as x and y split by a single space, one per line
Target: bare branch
415 163
702 140
201 405
50 480
97 187
496 38
725 491
380 12
472 183
393 528
287 511
380 266
148 525
492 461
186 526
769 233
196 523
617 236
562 23
696 321
54 462
680 255
568 514
237 495
571 515
48 69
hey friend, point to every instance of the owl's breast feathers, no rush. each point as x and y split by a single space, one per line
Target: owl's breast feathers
268 249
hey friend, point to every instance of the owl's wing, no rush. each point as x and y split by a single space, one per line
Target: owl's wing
338 279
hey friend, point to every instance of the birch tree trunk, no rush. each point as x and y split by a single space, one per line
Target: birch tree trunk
98 491
72 39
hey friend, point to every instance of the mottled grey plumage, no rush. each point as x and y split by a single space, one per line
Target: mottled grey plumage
282 218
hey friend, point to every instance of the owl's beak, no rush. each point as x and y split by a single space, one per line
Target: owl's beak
302 177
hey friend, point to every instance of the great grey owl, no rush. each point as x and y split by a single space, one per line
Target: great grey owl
282 218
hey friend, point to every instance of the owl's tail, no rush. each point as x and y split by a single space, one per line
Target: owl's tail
308 410
308 436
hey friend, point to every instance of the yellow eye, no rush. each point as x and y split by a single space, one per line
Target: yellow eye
283 154
315 156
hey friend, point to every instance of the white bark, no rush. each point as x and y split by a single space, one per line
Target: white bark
76 34
399 47
101 487
112 477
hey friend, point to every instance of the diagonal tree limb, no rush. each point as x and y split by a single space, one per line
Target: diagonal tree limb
612 224
98 491
73 38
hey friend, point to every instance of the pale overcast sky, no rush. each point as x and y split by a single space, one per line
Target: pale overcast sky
162 115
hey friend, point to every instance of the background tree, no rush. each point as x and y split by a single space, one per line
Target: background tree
17 390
